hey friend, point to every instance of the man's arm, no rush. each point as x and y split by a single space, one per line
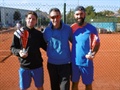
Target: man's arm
96 47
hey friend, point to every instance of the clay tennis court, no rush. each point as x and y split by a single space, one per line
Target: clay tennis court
106 63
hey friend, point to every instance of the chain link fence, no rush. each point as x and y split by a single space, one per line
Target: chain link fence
107 61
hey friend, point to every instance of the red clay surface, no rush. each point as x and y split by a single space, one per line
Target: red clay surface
106 63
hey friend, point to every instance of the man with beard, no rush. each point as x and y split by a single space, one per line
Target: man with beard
85 45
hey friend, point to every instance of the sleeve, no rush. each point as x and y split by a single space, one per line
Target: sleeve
96 35
15 46
95 41
44 35
43 43
70 38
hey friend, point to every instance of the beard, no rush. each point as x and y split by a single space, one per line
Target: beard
80 22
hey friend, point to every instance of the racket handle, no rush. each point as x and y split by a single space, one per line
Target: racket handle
90 54
23 50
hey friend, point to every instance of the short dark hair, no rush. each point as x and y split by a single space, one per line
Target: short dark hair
33 13
54 9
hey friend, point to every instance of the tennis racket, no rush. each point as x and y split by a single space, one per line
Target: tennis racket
24 40
92 42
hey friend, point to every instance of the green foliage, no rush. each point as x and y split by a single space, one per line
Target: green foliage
17 15
42 22
119 11
91 15
70 17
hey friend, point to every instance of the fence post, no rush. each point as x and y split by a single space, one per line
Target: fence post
64 16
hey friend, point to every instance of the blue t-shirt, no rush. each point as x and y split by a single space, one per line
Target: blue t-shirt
82 43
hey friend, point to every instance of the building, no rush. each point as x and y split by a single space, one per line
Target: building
7 15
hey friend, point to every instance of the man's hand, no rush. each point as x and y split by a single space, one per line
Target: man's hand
23 54
90 55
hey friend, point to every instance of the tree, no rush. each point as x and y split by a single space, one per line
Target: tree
17 16
90 13
70 17
118 11
107 13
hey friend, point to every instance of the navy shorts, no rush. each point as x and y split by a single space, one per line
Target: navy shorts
26 76
85 72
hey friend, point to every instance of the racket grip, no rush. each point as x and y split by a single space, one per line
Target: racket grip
23 50
90 54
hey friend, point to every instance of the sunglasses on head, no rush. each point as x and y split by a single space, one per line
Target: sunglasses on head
53 17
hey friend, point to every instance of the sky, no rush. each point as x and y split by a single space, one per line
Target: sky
45 5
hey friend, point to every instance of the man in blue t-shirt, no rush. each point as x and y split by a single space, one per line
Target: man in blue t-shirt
85 45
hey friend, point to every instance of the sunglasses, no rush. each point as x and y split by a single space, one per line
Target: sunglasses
53 17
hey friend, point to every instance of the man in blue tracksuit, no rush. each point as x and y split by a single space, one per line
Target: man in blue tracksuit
57 35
